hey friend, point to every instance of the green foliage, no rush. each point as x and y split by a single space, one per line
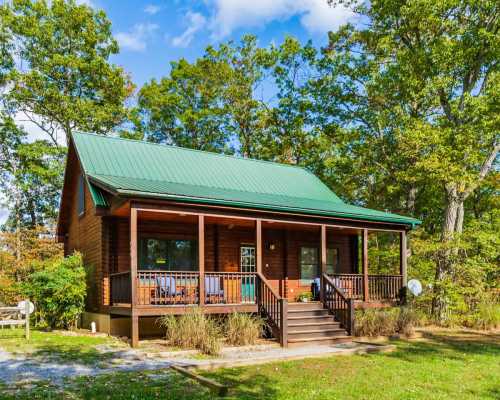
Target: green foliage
242 329
58 290
487 315
193 330
68 81
386 322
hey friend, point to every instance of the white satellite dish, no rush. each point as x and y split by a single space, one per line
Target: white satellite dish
415 287
22 306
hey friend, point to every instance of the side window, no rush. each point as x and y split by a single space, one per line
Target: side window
332 261
81 195
309 266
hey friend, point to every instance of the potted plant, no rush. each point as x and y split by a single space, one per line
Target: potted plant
305 297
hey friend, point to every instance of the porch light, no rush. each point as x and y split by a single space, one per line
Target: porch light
271 246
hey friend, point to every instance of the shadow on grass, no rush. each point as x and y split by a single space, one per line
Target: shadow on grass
456 346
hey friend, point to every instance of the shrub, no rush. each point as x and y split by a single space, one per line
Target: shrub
193 330
242 329
487 316
406 321
385 322
58 290
373 322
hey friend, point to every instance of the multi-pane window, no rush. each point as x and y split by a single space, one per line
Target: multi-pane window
332 261
309 263
247 261
168 255
81 195
309 266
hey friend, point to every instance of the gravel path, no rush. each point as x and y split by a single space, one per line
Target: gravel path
22 370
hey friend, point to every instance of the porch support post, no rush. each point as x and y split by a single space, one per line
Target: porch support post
258 244
201 257
365 264
402 257
323 260
134 325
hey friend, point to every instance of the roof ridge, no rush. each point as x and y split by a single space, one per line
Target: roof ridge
214 187
211 153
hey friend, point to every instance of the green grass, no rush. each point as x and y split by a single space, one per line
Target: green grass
55 345
445 366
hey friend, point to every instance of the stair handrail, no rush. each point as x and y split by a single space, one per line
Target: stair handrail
274 307
338 304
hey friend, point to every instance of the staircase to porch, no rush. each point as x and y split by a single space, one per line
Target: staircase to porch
311 323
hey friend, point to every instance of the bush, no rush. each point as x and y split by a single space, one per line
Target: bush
487 316
243 329
386 322
58 290
193 330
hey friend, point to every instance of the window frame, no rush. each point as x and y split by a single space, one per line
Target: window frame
80 196
168 250
307 281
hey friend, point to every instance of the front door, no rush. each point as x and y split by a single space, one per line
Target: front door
247 264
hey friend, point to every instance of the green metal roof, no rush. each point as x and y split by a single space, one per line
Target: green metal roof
143 169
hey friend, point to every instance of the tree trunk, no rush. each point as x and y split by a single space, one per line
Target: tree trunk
459 223
443 266
410 204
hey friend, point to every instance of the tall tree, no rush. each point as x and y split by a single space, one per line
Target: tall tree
186 108
442 59
65 80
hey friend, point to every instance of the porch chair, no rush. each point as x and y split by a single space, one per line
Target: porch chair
166 289
213 291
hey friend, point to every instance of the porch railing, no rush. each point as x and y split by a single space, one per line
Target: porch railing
380 287
341 306
384 287
167 287
274 307
230 287
351 284
120 288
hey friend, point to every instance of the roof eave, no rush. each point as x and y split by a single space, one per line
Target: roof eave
408 222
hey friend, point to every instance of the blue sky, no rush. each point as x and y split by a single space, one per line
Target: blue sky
153 33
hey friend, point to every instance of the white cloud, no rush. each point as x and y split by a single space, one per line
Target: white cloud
4 214
195 22
152 9
136 39
28 122
315 15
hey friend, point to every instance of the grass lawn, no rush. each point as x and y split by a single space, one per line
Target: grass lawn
447 365
56 345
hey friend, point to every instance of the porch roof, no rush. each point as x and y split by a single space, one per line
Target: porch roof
141 169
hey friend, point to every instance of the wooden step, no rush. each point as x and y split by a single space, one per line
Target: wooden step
316 333
310 305
309 319
319 341
307 313
317 325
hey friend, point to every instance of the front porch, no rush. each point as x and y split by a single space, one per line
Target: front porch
179 258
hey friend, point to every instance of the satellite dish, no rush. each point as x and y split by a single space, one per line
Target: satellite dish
415 287
22 306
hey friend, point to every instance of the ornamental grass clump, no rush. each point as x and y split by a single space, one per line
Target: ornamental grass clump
242 329
193 330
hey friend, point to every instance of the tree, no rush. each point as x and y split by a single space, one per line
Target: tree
65 80
186 107
31 175
441 60
248 67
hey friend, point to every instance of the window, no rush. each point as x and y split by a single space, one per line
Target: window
168 255
332 261
308 264
81 195
247 259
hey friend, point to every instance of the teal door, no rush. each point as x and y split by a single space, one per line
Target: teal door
247 264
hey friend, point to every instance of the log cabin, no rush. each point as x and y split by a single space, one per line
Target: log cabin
163 229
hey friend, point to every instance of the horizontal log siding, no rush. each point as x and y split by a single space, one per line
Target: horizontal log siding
226 249
85 234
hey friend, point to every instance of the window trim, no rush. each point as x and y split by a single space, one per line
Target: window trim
167 239
80 195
